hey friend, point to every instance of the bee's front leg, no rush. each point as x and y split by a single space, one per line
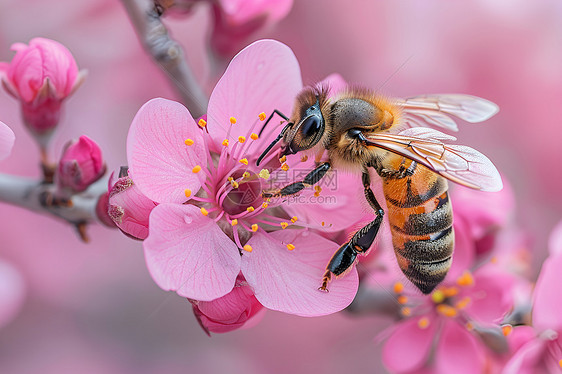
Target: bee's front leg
311 178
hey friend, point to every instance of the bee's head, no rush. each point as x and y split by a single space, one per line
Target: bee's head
305 133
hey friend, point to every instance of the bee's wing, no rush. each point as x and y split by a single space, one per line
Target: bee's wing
435 110
459 163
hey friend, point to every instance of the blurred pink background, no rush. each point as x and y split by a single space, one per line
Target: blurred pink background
93 308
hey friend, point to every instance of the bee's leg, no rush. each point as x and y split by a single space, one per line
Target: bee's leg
346 255
311 178
275 111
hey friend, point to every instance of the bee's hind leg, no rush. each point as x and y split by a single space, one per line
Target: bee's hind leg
311 178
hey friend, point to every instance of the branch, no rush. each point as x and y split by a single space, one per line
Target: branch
167 53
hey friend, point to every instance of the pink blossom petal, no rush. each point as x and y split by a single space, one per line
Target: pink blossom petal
188 253
527 358
240 11
464 252
555 240
264 76
335 83
7 139
458 351
408 347
160 163
288 281
547 302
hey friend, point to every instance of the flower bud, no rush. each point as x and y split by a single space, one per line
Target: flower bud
229 312
41 75
129 208
80 165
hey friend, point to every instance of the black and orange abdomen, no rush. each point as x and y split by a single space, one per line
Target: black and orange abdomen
421 223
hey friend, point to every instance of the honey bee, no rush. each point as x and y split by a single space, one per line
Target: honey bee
360 130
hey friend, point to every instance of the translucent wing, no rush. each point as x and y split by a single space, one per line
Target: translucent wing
459 163
435 110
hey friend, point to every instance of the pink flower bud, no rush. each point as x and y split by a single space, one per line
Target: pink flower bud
41 76
229 312
80 165
129 208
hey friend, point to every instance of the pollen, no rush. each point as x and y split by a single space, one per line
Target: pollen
560 363
423 323
463 303
241 139
494 260
225 142
446 310
450 291
507 329
284 225
398 287
234 222
465 279
290 247
323 223
234 184
244 161
196 169
405 311
254 136
283 159
230 179
246 175
469 326
285 167
264 174
255 227
402 299
248 248
250 209
189 142
232 120
262 116
187 192
317 190
294 219
204 211
202 122
304 158
438 296
264 205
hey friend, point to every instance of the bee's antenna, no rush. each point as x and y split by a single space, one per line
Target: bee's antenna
277 139
270 117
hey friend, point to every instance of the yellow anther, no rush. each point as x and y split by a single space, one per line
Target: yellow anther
234 184
234 222
283 159
446 310
560 363
463 303
438 296
284 225
255 227
204 211
398 287
246 175
262 116
304 158
254 136
423 323
294 219
189 142
264 174
187 192
225 142
323 223
290 247
244 161
402 299
232 120
196 169
285 167
230 179
405 311
494 260
241 139
264 205
507 329
469 326
317 190
202 122
250 209
465 279
450 291
248 248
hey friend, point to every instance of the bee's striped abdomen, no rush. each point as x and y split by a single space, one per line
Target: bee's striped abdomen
421 223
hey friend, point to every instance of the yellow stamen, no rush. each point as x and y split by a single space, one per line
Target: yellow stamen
437 296
507 329
246 175
290 247
244 161
317 190
202 122
250 209
463 303
264 174
204 211
283 159
189 142
446 310
423 323
248 248
285 167
494 260
398 287
241 139
234 222
234 184
323 223
264 205
262 116
402 299
187 192
254 136
450 291
255 227
294 219
284 225
560 363
469 326
304 158
225 142
405 311
196 169
232 120
465 279
230 179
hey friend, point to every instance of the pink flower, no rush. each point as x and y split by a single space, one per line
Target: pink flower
41 76
80 165
211 223
7 139
229 312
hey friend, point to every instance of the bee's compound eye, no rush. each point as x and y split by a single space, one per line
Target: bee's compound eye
311 126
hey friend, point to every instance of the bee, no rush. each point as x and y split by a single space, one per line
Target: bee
363 130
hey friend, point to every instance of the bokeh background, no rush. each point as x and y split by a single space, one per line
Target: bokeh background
93 308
